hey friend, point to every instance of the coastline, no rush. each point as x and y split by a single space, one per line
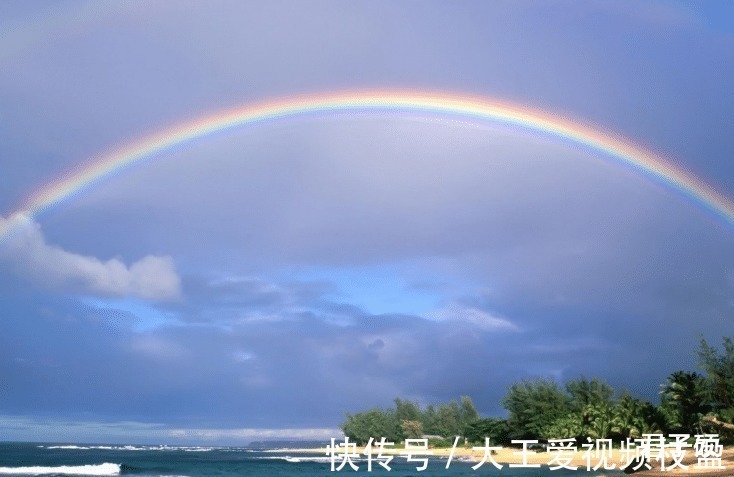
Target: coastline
511 455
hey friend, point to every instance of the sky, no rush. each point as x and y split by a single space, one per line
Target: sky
260 282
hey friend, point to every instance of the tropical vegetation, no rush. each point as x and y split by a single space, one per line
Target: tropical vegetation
690 402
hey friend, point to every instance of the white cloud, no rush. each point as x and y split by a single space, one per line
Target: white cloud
23 245
473 316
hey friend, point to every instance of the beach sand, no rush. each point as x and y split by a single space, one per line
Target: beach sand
511 455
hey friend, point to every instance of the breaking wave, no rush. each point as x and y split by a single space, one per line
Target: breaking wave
293 459
101 469
135 448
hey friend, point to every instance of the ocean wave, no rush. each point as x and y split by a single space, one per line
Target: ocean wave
323 460
100 469
136 448
293 459
69 447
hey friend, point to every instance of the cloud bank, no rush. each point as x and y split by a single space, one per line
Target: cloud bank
151 277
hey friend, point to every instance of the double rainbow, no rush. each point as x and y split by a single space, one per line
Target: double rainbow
153 146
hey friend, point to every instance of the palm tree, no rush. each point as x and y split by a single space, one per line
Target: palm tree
650 420
634 417
684 395
600 420
564 427
627 416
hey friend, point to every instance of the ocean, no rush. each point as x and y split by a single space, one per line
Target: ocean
179 461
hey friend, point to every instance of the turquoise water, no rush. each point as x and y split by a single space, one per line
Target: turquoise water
157 461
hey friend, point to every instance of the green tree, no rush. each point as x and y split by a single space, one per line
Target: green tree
720 369
633 417
600 420
651 420
496 429
684 399
449 419
584 392
373 423
429 418
406 411
411 429
534 406
591 400
467 413
563 427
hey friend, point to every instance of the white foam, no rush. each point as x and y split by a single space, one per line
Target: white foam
101 469
145 448
68 447
309 459
136 448
289 458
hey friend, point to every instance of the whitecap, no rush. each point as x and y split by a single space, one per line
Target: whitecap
101 469
69 447
310 459
289 458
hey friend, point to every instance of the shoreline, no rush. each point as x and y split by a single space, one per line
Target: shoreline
512 455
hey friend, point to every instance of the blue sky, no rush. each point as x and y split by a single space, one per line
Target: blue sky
262 282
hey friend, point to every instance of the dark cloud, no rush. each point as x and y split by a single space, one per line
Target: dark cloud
247 365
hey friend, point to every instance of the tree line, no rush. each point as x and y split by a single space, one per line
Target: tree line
408 421
690 403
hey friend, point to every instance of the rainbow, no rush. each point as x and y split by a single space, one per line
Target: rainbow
483 109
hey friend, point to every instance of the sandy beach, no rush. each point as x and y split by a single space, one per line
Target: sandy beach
509 455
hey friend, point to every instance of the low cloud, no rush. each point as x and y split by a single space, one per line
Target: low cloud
472 316
24 247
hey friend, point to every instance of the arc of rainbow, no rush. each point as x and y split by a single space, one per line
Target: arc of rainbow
478 108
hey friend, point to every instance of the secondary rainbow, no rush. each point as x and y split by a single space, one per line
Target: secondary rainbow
608 144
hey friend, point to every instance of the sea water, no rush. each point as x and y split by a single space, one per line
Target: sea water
169 461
